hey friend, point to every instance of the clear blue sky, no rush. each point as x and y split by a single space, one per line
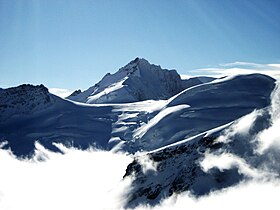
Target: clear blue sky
72 44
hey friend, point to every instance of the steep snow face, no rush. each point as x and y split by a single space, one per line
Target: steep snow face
24 99
137 81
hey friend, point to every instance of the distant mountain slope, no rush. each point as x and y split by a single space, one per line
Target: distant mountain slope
30 113
137 81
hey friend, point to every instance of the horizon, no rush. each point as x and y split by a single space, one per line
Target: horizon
222 70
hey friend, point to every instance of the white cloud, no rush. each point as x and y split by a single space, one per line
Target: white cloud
234 68
271 136
93 180
227 161
63 93
75 180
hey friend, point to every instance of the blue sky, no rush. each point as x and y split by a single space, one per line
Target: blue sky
71 44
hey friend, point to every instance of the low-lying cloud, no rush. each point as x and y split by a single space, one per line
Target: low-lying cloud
93 180
76 180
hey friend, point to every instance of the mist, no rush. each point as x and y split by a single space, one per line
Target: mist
74 180
93 180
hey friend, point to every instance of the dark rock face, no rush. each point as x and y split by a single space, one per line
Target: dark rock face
178 170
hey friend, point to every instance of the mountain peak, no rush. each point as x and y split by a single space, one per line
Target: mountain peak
136 64
138 60
136 81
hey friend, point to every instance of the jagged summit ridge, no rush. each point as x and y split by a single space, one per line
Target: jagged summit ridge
137 81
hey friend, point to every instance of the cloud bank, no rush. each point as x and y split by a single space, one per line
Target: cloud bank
76 180
93 180
234 68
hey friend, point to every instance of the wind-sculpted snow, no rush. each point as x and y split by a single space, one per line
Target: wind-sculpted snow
245 150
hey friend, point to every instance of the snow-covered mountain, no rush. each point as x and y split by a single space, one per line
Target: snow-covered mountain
137 81
142 108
